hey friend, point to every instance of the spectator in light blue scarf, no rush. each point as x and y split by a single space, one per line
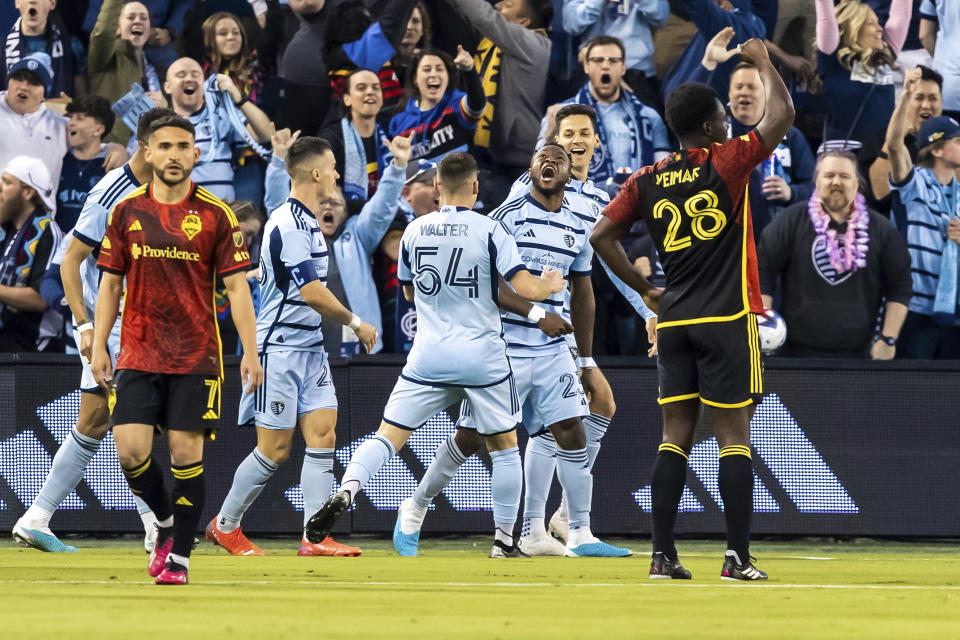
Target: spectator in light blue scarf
930 193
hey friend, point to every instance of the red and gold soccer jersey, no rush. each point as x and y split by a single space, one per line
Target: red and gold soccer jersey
171 255
696 207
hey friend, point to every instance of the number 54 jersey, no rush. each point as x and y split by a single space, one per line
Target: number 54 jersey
696 206
453 259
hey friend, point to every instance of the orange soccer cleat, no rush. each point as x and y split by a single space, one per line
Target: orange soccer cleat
327 547
234 542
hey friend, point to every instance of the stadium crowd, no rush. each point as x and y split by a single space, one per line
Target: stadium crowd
855 214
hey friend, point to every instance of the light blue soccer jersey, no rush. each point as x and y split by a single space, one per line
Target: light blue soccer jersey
556 239
92 224
293 253
587 201
452 258
216 139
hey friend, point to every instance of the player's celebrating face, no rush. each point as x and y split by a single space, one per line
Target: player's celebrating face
172 153
550 170
578 136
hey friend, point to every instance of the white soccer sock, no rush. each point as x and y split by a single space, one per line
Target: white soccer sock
183 561
369 457
411 518
37 517
446 463
149 521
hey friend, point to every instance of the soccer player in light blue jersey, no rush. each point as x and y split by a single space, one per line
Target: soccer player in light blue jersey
298 389
450 265
548 230
81 283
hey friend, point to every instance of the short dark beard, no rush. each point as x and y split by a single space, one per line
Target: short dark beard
10 209
158 174
830 203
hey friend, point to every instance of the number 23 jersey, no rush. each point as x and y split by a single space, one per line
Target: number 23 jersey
696 206
453 258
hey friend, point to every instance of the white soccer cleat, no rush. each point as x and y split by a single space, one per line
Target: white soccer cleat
541 546
559 526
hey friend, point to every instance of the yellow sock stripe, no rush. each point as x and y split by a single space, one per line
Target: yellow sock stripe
666 446
736 450
187 473
136 472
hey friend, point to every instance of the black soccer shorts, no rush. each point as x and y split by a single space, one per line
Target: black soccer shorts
167 401
717 362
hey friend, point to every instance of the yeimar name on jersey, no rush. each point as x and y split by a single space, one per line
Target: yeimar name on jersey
293 253
556 239
452 258
92 225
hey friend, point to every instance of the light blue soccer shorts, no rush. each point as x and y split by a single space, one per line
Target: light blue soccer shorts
549 390
87 383
294 383
412 403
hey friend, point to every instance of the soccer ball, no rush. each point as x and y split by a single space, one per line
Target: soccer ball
772 330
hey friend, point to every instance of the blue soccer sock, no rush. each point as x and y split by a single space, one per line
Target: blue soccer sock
540 459
372 454
573 471
316 480
69 464
446 463
505 486
249 480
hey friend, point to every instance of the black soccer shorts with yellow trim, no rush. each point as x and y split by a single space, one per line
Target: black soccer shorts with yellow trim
717 362
167 401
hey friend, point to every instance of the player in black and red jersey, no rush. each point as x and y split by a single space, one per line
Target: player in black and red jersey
170 239
696 207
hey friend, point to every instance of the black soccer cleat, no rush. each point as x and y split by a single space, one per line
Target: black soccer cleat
663 568
745 572
502 550
319 525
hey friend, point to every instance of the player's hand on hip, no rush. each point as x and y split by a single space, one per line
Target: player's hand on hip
102 369
251 373
400 148
652 298
554 279
86 345
367 334
554 325
652 336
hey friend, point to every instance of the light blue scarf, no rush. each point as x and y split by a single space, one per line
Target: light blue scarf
945 303
355 176
220 101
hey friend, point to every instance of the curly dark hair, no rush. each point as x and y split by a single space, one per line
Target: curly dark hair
689 106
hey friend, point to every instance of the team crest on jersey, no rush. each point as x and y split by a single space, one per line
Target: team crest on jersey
277 407
191 226
238 239
568 240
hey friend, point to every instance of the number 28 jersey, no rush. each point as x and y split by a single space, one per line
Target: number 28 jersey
453 258
696 206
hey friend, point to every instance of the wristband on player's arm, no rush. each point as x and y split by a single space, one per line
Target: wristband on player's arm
355 322
586 362
86 326
536 314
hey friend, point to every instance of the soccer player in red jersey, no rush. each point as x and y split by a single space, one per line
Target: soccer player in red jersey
170 240
696 207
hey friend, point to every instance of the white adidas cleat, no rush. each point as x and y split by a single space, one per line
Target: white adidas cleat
559 526
541 546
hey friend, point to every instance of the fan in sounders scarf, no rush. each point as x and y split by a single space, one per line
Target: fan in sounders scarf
28 242
632 134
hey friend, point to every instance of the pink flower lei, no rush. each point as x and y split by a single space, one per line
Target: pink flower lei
853 255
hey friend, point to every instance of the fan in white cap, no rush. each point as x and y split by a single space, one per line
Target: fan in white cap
33 173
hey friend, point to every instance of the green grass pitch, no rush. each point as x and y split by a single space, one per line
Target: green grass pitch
860 589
